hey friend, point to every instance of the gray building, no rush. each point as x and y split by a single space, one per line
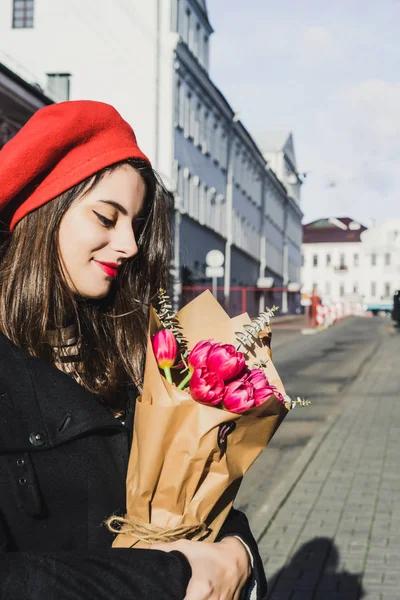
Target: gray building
229 193
227 196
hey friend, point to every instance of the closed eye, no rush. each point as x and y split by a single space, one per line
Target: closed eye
105 222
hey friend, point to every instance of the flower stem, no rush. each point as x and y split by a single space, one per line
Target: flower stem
183 383
167 371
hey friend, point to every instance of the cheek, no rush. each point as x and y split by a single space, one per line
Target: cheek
78 240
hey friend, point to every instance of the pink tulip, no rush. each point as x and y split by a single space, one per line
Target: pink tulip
206 387
224 360
198 355
263 394
165 349
262 388
258 378
239 396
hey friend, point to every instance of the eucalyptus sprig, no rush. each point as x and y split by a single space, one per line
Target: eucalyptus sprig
298 401
169 320
252 331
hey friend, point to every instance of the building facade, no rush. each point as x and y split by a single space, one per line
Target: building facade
344 261
18 101
151 61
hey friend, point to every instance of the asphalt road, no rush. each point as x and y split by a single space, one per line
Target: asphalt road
318 367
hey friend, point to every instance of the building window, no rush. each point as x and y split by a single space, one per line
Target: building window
373 288
355 289
328 260
178 102
59 85
328 287
205 51
23 14
197 138
342 261
215 142
373 260
186 190
188 114
315 260
177 15
341 289
356 260
387 259
387 290
197 40
202 203
186 26
204 135
302 260
223 149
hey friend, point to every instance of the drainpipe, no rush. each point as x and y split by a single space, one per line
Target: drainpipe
229 214
263 237
285 259
158 91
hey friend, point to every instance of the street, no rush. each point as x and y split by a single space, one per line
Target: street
323 498
319 368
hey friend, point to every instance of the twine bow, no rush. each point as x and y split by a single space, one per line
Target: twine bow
151 534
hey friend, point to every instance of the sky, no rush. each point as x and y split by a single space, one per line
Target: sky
329 72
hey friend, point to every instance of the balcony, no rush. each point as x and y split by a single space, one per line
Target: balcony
341 269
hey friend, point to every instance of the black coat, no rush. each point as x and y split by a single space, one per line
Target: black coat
63 462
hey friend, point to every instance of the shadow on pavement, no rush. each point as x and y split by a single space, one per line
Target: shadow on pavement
313 574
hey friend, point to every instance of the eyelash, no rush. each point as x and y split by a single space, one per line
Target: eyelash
105 222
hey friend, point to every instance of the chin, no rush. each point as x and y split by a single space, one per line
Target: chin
95 294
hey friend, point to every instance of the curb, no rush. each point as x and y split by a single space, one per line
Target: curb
267 513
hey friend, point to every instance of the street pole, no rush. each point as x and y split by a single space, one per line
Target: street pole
263 239
229 213
285 265
177 285
214 287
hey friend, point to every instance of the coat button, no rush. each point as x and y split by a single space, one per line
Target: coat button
20 462
36 438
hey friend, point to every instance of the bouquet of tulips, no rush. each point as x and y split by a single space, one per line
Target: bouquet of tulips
211 402
218 375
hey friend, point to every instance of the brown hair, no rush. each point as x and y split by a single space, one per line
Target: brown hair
112 332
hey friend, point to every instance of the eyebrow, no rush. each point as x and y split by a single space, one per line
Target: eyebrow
115 205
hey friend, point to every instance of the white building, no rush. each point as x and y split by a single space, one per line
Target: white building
151 61
344 261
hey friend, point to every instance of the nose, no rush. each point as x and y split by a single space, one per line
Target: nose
124 241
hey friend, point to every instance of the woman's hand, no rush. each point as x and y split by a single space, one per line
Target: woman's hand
219 571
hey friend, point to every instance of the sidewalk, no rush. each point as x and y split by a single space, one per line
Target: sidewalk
332 529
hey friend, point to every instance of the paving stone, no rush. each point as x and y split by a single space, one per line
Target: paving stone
341 523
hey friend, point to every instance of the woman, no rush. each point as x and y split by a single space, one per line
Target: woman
87 249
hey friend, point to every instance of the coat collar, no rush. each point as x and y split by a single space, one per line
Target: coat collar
36 399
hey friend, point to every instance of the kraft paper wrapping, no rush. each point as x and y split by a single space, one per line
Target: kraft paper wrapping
177 473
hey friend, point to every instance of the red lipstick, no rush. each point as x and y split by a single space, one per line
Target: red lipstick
110 269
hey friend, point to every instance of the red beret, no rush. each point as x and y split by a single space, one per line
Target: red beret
60 146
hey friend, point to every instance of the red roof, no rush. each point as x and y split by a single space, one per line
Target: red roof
332 230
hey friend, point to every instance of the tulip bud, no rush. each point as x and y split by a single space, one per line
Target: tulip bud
206 387
239 396
198 355
224 360
165 349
